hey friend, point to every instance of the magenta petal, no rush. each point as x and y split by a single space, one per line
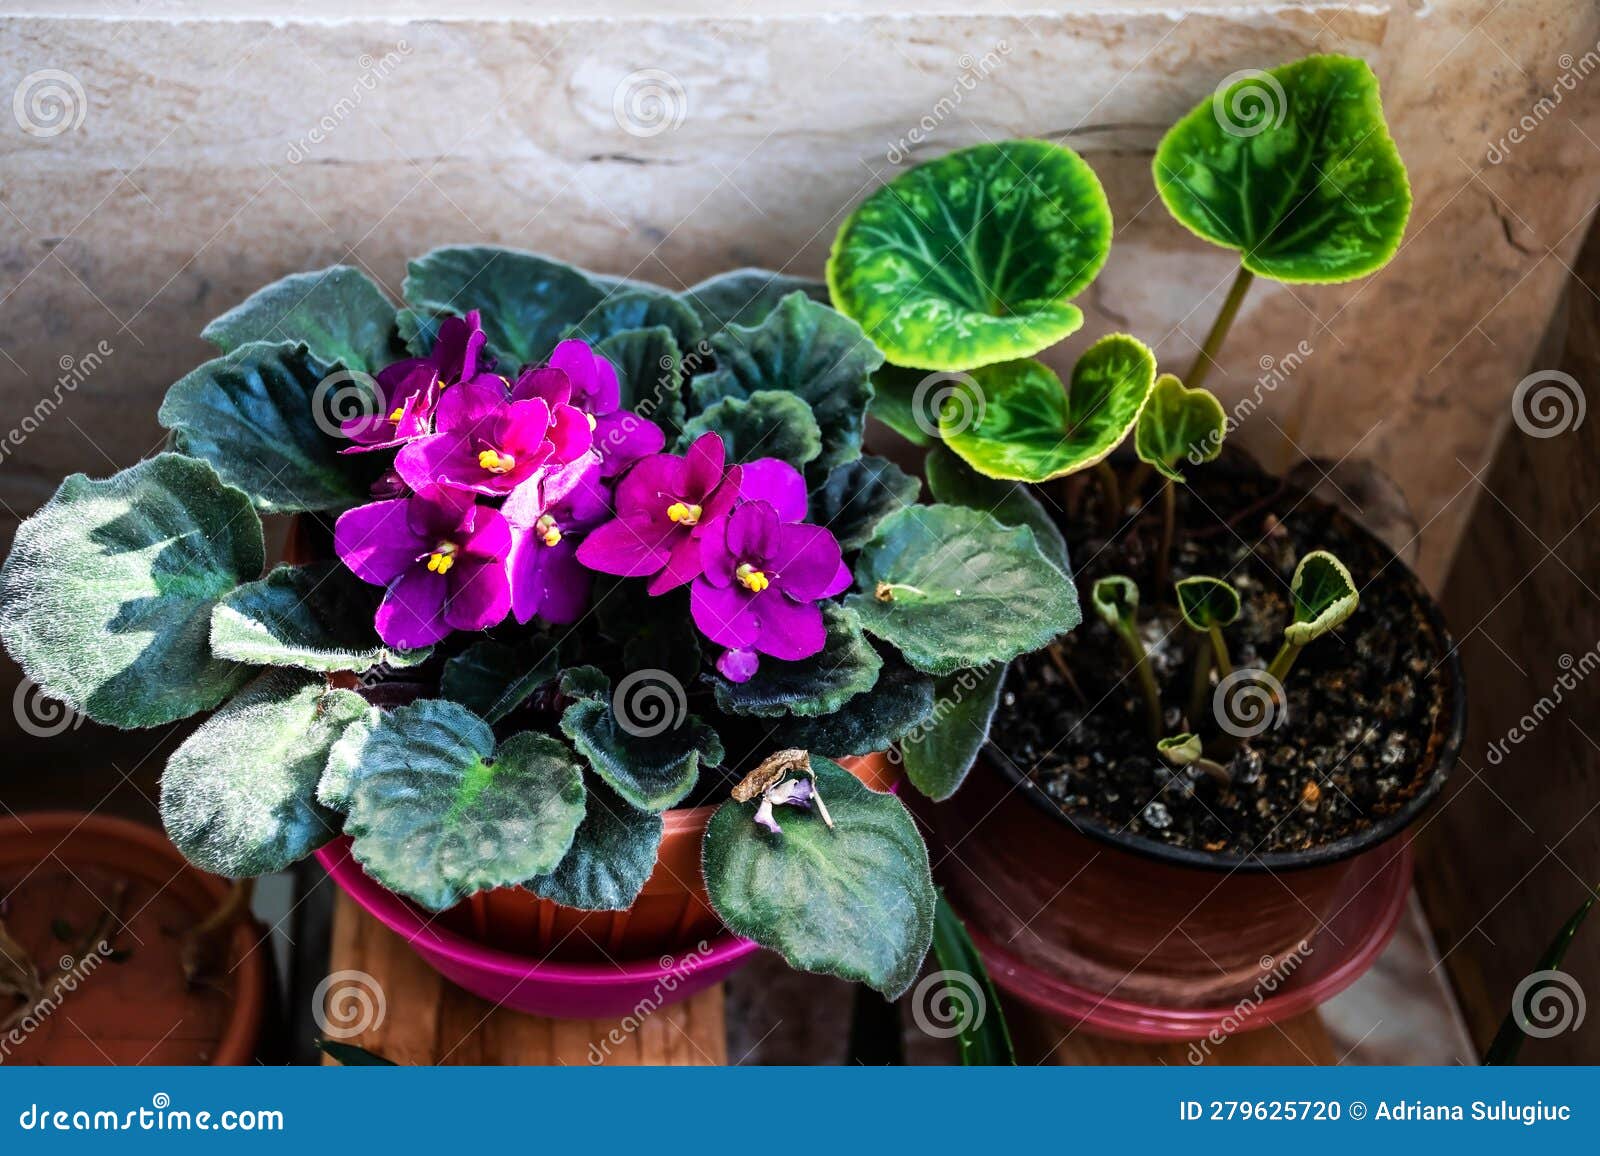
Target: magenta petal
624 438
546 383
717 562
480 594
682 566
703 464
807 560
628 547
594 379
570 433
548 581
411 614
738 665
752 534
651 486
777 482
789 630
376 542
468 407
437 457
725 615
842 581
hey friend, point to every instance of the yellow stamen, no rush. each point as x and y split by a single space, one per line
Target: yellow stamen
496 463
442 558
750 578
398 413
684 513
549 533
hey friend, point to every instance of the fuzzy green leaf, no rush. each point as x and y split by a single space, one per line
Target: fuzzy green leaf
239 796
492 679
641 739
106 597
338 313
612 855
907 400
316 617
806 349
1015 420
528 301
1324 597
1205 602
649 366
634 307
438 812
768 424
858 495
854 901
952 588
975 257
1179 425
941 751
258 417
952 481
1292 167
746 296
846 666
865 724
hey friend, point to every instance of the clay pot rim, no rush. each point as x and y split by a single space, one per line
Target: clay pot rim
237 1044
1444 746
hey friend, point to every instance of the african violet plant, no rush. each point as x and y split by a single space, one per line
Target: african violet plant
621 544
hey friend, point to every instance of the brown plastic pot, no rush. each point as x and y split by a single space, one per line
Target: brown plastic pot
137 1009
1115 912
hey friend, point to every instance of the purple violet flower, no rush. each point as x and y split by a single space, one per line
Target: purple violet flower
491 445
441 556
407 390
761 583
548 516
663 505
580 377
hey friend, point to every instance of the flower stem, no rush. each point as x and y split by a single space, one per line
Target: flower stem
1147 678
1169 519
1219 328
1200 688
1219 646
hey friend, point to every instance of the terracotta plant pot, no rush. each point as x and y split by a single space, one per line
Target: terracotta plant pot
59 871
1107 911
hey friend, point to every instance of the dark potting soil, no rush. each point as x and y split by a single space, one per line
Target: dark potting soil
1362 704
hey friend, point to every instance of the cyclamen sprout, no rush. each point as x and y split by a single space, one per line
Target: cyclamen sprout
1116 600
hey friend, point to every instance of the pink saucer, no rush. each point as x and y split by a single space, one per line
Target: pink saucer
1368 910
538 987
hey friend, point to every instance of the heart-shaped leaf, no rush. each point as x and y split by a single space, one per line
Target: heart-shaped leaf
1205 602
847 665
641 740
492 679
975 257
767 424
1179 424
858 495
636 307
746 296
865 724
952 588
1015 421
938 754
1292 167
263 417
806 349
854 900
106 597
239 796
317 617
954 482
1324 597
338 313
1115 599
438 812
649 367
612 855
1180 750
527 301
